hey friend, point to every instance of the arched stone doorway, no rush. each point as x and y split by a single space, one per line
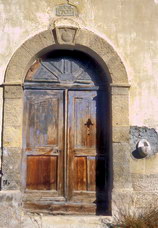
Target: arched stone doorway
103 53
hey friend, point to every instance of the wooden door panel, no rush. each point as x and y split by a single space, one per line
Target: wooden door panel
84 173
80 173
91 171
84 114
87 145
45 119
42 172
44 140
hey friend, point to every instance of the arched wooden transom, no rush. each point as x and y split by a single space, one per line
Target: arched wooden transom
66 67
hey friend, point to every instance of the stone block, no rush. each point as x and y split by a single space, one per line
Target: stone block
10 209
137 166
130 202
30 220
122 201
120 134
119 90
11 167
151 166
83 38
13 109
47 38
121 166
38 42
117 69
13 92
145 199
101 47
120 110
12 136
17 65
121 152
74 222
147 183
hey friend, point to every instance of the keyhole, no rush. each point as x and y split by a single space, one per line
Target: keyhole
88 124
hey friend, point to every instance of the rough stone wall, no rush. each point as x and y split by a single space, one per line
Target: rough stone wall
144 170
150 134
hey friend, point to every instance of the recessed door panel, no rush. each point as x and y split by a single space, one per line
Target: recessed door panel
85 122
42 172
80 173
45 117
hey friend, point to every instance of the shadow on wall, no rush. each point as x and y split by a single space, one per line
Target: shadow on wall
103 168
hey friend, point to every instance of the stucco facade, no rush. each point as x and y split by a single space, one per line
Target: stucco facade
122 36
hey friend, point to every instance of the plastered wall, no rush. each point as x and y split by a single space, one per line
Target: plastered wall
130 26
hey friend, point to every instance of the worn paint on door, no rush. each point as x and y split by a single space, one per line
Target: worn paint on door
87 153
44 140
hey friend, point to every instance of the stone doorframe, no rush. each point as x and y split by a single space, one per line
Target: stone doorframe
71 37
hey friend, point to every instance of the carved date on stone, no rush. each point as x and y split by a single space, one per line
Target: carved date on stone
66 10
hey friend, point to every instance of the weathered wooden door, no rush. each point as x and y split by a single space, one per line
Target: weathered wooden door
44 140
87 153
66 137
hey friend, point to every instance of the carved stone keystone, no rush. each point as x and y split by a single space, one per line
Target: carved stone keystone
66 35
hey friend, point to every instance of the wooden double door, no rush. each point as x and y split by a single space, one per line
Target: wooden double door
66 148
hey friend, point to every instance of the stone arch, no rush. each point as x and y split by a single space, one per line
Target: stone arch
66 37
